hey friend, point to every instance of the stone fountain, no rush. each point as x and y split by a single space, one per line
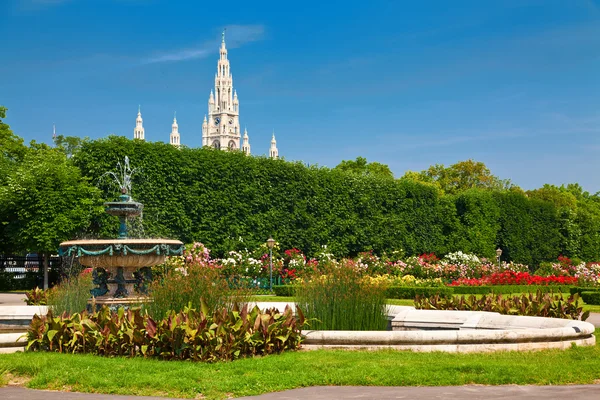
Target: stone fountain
122 266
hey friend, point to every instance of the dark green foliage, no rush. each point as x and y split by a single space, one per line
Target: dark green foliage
478 213
188 335
591 297
283 290
509 289
529 229
537 305
218 197
230 201
579 290
409 292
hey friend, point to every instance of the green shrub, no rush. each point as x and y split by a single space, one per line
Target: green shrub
341 299
539 304
579 289
409 292
591 297
176 290
509 289
187 335
284 290
71 295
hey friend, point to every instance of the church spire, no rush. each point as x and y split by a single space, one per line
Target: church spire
222 128
273 152
174 138
138 131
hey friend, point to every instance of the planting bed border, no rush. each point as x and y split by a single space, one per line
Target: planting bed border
455 331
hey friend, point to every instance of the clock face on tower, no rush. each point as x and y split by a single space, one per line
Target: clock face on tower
217 121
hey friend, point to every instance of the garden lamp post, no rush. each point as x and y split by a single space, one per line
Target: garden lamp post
498 254
270 243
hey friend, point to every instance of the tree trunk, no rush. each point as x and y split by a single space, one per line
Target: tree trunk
46 256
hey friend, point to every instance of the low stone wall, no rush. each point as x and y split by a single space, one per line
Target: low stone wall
455 331
17 318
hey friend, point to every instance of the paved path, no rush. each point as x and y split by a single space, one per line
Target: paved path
471 392
12 299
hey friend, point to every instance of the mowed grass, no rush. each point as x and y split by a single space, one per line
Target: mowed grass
253 376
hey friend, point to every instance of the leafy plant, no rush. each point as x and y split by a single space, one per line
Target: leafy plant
36 297
539 304
190 334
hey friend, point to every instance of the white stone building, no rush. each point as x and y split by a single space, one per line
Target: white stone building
221 129
221 126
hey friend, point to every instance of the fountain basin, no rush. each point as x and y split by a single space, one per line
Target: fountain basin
127 253
121 259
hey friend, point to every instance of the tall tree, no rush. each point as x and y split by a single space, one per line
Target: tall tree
46 201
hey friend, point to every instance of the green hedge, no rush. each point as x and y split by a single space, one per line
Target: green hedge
218 197
580 289
284 290
509 289
591 297
409 292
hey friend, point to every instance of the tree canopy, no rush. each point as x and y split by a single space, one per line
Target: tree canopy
44 201
460 177
360 166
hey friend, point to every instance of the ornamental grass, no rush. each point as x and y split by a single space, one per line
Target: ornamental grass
342 299
71 295
185 287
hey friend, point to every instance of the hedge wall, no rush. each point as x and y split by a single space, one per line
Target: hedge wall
230 201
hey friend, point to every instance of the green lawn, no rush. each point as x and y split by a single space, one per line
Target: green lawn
254 376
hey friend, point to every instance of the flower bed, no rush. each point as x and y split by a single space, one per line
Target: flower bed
515 278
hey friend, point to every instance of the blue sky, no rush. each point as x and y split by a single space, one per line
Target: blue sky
512 83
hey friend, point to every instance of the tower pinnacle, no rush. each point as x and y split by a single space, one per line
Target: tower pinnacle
174 137
138 131
273 152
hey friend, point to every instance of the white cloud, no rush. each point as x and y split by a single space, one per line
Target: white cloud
236 36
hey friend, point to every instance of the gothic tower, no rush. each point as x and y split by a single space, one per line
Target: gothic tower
273 152
222 128
138 132
175 133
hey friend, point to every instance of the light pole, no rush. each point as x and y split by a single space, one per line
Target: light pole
270 243
498 254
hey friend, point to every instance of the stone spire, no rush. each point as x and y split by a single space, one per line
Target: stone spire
138 131
175 140
273 152
246 145
222 128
